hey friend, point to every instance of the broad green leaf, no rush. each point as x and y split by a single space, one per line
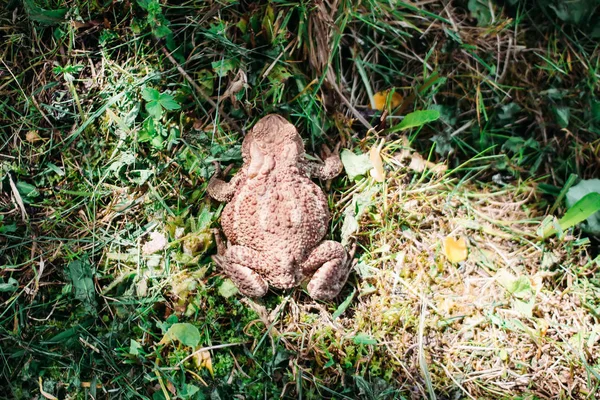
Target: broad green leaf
27 190
150 94
80 274
168 102
574 11
416 119
355 164
363 338
205 78
509 111
11 286
189 391
227 288
519 287
154 108
583 203
184 333
161 31
43 16
7 228
586 209
204 219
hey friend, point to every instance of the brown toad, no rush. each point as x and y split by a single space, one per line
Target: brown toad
276 217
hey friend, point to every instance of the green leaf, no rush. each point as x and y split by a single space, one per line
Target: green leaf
361 202
206 79
150 94
227 288
222 67
204 219
154 108
355 164
562 115
416 119
522 291
134 347
189 391
509 111
161 31
8 228
574 11
186 334
363 338
27 190
168 102
342 307
11 286
586 209
520 287
480 10
43 16
525 308
80 274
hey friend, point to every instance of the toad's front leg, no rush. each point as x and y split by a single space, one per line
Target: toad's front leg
252 271
220 190
330 264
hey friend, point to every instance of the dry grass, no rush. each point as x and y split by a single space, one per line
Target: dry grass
455 325
413 323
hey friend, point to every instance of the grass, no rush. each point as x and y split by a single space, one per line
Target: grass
111 116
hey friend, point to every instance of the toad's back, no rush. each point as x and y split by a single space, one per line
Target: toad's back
283 212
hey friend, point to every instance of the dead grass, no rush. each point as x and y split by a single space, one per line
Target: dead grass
456 321
413 324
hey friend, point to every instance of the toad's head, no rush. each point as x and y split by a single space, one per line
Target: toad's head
273 141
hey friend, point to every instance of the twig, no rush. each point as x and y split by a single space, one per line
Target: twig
352 109
200 91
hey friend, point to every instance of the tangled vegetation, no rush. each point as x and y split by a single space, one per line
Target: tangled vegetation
464 126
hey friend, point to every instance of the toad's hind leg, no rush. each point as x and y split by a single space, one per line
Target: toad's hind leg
331 266
244 278
252 271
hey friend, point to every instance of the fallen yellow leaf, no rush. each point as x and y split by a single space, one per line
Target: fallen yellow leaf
455 249
377 171
380 99
202 360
